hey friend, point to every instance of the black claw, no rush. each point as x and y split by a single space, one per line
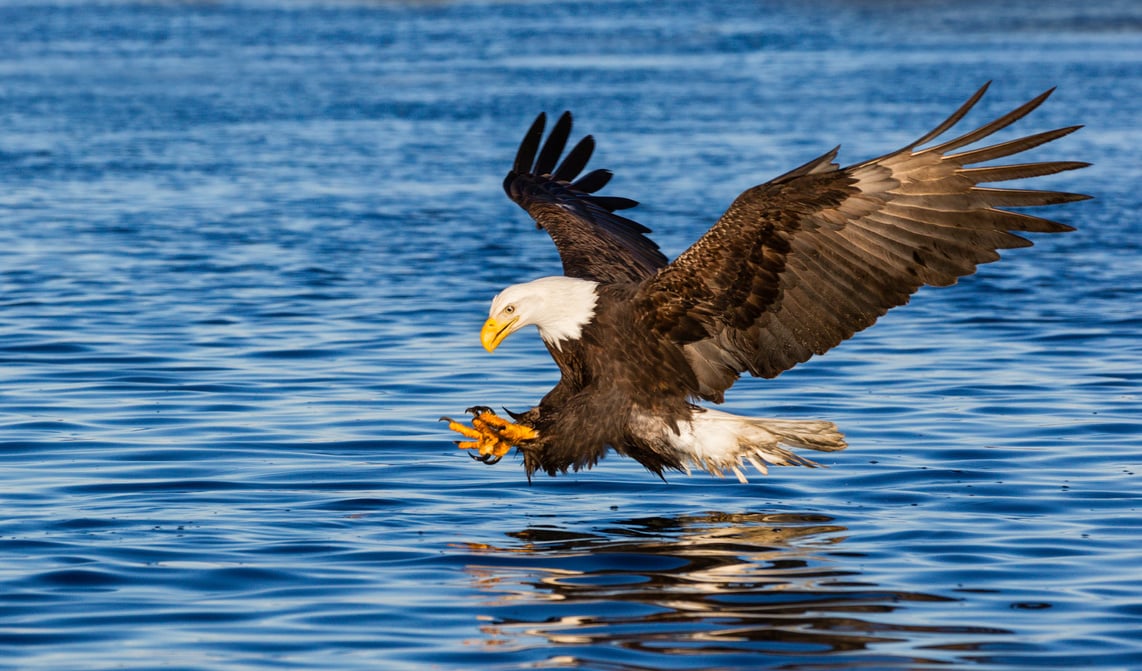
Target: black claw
477 410
445 419
489 459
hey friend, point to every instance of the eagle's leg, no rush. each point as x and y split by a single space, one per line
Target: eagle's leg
491 436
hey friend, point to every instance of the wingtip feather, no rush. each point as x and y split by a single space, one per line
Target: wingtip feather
525 155
553 147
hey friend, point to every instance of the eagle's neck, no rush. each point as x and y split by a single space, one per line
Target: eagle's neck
565 306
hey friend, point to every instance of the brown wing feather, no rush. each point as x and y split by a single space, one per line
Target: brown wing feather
799 264
594 243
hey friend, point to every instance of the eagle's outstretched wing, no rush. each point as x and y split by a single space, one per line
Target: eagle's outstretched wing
593 242
799 264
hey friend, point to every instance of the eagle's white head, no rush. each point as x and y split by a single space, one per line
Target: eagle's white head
558 306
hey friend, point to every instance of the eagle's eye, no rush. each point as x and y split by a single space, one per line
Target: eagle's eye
509 309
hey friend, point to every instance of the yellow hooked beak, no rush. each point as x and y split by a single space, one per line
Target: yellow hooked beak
495 331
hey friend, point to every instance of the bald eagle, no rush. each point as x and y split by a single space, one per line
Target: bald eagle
791 269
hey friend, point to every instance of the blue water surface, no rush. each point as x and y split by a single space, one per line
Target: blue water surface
247 248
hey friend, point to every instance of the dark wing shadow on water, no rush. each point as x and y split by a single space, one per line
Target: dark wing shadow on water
715 591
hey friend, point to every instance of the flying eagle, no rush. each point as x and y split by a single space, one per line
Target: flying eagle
793 267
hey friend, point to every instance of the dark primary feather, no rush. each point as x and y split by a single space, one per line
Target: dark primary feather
594 243
799 264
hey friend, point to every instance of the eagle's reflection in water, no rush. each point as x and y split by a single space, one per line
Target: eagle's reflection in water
716 590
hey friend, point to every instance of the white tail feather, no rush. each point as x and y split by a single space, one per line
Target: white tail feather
718 441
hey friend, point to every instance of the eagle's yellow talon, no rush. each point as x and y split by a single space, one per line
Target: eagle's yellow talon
518 433
522 433
492 436
464 430
513 433
490 418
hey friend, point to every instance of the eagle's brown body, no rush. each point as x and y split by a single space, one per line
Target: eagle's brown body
611 390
